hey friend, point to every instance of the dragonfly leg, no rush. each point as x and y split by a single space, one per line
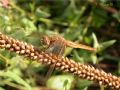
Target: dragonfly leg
49 73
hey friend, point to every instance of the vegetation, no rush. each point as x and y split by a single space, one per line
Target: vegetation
91 22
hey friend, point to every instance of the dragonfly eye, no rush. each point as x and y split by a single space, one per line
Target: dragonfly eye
45 40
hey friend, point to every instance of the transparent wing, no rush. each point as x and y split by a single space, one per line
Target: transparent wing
57 48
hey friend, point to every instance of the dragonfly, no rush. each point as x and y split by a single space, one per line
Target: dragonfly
56 45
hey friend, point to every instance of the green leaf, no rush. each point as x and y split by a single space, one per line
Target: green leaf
96 44
41 14
106 44
15 78
99 17
28 25
117 16
94 58
60 82
77 57
2 88
83 84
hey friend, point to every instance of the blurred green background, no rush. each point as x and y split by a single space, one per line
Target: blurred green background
91 22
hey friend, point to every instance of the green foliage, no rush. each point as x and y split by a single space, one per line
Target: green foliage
76 20
61 82
83 84
14 77
99 17
117 16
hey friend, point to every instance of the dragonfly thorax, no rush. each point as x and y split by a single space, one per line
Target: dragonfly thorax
46 40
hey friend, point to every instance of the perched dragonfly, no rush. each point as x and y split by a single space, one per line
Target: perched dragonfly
57 44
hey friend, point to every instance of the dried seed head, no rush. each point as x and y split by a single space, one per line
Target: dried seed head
61 63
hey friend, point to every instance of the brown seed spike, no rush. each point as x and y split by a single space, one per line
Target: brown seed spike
61 63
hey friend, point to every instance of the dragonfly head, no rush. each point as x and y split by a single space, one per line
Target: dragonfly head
45 40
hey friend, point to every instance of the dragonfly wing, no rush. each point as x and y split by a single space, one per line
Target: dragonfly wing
75 45
57 48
